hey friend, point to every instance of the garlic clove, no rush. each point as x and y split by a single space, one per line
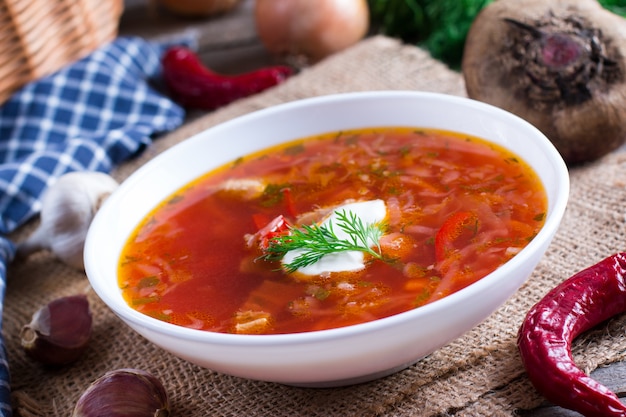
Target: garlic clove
67 209
124 392
59 332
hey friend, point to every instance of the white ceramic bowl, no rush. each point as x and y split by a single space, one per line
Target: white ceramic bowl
346 355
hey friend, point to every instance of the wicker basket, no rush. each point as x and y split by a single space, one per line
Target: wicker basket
37 37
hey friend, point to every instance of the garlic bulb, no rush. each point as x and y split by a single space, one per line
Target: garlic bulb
67 209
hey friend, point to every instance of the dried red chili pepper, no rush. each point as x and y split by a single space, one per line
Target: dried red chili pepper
192 84
579 303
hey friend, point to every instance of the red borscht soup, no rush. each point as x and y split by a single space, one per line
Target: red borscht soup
330 231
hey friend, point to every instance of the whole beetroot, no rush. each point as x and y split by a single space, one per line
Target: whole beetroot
559 64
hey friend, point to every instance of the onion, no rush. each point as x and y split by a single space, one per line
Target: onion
312 28
559 64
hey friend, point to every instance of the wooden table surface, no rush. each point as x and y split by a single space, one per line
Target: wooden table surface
228 43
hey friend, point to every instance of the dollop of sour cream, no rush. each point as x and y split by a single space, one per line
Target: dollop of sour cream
370 212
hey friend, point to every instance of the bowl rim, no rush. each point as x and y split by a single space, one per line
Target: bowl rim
556 209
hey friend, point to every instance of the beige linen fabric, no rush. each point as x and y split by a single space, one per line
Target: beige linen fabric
479 374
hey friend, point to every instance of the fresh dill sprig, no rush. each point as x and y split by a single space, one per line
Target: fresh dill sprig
316 241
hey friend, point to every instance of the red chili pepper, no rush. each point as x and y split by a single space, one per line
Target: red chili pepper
461 223
579 303
193 85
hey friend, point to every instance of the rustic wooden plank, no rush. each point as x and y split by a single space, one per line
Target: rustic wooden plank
227 42
230 29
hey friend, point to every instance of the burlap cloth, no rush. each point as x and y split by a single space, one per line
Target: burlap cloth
479 374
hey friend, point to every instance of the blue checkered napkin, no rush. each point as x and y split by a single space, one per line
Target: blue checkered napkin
91 115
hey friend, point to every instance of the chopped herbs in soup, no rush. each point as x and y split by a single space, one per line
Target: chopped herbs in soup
332 230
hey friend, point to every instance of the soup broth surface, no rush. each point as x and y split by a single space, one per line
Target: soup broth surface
457 207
